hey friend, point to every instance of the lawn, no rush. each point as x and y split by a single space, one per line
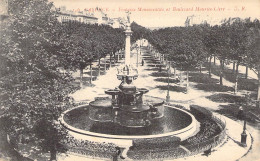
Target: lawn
165 80
243 84
252 113
214 88
172 88
227 98
202 78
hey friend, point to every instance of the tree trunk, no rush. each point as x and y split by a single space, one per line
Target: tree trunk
237 67
258 91
174 72
163 59
81 77
187 81
180 78
246 76
99 66
90 66
110 61
53 152
236 81
114 58
105 64
200 67
210 66
236 78
137 59
221 73
214 60
234 66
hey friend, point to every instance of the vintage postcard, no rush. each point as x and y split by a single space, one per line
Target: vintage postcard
134 80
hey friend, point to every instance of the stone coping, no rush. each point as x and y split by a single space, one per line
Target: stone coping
187 131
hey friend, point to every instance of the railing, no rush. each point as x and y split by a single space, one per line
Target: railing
182 151
90 149
92 154
105 151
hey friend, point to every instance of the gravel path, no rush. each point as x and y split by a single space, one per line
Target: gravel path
194 96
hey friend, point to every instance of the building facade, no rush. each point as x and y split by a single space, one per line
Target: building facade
64 15
85 16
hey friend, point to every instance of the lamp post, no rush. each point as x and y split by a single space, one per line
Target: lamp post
243 134
168 90
138 48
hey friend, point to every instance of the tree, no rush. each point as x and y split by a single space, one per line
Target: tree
87 42
188 49
253 52
138 32
221 48
33 87
209 42
184 47
237 31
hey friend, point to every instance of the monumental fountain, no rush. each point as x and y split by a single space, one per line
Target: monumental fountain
127 118
126 107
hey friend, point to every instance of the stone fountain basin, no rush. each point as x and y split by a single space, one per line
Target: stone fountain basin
78 124
143 90
112 91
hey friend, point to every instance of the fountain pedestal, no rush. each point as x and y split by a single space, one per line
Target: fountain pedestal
126 107
133 116
101 110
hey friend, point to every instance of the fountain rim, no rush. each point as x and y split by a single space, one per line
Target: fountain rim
94 134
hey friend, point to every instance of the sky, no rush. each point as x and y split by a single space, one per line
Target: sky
166 13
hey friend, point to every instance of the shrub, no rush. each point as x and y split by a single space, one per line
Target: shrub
227 98
214 87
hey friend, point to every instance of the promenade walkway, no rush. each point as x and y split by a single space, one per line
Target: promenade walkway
227 151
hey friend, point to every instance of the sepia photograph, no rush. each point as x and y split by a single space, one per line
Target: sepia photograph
129 80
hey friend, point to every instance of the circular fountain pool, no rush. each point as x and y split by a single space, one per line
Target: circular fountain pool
176 125
173 120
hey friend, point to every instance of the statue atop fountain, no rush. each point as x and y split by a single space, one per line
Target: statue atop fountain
126 107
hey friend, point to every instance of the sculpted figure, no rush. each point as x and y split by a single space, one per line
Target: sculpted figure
128 16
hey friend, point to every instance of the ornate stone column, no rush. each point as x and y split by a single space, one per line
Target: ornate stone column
128 34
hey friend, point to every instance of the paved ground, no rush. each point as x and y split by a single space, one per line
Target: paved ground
230 150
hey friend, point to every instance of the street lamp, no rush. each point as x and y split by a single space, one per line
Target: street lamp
137 49
168 90
243 134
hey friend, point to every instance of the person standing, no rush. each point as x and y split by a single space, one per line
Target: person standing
240 114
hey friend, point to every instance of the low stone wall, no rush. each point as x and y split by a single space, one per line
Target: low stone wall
105 146
187 150
99 141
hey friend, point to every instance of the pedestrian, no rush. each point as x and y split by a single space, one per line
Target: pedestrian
142 62
240 114
116 154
